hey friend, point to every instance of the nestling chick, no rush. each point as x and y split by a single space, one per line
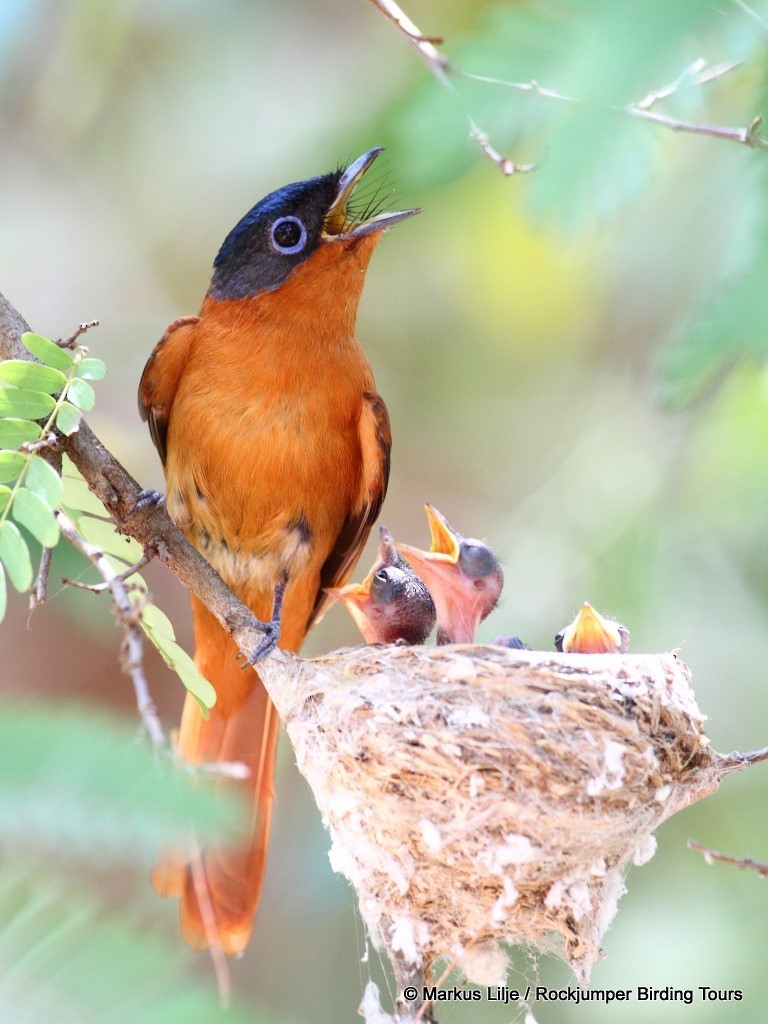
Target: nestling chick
463 575
590 633
391 604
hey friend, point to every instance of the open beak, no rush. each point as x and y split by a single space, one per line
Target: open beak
590 633
458 603
340 223
387 551
445 546
356 597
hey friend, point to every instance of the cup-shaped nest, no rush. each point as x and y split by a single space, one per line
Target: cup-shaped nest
476 794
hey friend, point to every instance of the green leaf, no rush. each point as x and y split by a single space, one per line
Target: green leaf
11 464
15 556
43 480
47 352
3 593
14 433
156 621
91 369
105 536
28 405
5 494
67 418
77 495
176 657
81 394
24 374
33 514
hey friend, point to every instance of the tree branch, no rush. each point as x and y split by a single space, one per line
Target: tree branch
740 862
736 762
152 527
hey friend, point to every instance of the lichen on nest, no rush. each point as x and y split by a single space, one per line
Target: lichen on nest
476 794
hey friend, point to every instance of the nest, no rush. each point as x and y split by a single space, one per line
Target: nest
477 795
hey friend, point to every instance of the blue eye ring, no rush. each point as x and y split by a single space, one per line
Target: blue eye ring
285 228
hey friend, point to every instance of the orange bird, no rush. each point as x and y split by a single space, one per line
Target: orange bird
590 633
276 448
392 604
463 575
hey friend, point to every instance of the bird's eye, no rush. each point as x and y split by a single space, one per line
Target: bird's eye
289 235
387 584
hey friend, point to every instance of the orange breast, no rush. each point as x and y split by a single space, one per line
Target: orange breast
264 459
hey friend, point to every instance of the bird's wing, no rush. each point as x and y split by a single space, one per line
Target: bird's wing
375 445
160 379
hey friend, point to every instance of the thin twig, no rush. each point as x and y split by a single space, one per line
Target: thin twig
532 86
698 73
440 67
748 136
736 761
424 45
702 74
740 862
39 590
72 340
129 616
150 552
50 442
504 163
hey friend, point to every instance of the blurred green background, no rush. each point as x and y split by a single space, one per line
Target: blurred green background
574 362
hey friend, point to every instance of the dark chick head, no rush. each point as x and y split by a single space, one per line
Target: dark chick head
590 633
290 225
391 604
463 575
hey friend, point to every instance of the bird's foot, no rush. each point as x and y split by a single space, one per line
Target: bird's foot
146 499
270 629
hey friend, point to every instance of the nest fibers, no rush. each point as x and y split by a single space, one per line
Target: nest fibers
476 794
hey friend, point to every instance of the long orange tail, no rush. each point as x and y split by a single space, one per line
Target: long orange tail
218 903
